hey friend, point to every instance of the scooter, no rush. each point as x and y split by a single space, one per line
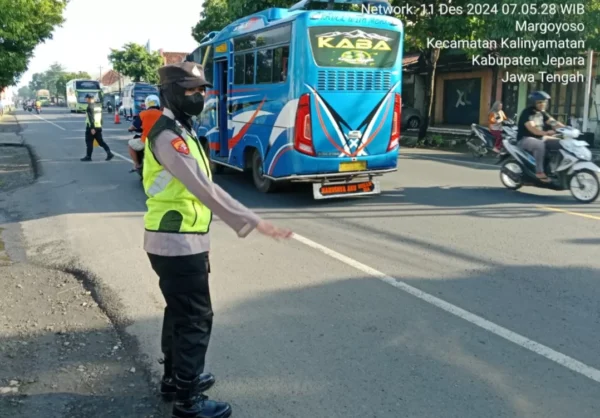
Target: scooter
38 110
481 140
29 108
570 167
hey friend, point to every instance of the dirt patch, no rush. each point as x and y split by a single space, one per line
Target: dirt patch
61 356
16 167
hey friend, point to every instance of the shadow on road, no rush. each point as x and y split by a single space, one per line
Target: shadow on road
455 159
356 357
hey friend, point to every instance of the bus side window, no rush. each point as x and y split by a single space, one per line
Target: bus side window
208 70
249 68
238 69
264 66
280 61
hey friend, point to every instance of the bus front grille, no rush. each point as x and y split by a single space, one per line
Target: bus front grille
354 80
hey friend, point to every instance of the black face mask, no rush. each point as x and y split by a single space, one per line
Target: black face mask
192 105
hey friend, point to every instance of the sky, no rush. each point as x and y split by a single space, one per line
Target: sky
92 28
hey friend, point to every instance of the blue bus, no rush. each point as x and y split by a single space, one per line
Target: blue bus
305 95
134 96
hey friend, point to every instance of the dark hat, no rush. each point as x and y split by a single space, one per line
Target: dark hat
188 75
89 96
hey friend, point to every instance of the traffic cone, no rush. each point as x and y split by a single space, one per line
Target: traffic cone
96 144
117 118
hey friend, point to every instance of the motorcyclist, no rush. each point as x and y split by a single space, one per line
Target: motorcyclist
534 129
143 123
38 104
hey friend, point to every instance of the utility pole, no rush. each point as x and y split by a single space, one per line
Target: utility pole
100 76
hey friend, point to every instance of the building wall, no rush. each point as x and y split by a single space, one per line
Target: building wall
485 93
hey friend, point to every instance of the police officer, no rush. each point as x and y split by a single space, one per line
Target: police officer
93 129
181 201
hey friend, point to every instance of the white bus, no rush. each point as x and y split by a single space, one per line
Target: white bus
78 89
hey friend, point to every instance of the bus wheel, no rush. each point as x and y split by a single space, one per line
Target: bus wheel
263 184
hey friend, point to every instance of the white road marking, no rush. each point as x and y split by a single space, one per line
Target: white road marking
121 156
51 123
524 342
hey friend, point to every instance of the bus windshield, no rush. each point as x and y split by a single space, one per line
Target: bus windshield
354 47
81 96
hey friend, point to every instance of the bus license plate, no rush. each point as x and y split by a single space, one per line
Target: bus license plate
327 191
353 166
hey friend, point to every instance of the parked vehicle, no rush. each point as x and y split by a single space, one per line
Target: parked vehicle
481 141
411 118
570 168
134 96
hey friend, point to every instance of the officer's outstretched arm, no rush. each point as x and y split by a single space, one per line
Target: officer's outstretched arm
177 160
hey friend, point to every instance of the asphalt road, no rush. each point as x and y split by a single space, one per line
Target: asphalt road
446 296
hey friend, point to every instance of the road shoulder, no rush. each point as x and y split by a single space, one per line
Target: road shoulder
61 354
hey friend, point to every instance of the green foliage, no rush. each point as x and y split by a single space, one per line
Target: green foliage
217 14
503 25
23 25
26 93
136 62
51 76
54 79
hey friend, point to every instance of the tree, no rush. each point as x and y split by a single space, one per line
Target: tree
136 62
37 82
23 25
215 16
51 76
61 82
424 22
540 12
25 92
241 8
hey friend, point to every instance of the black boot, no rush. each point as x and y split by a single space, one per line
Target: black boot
86 158
191 403
168 386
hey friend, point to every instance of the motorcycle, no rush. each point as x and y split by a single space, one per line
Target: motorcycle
140 156
109 108
481 140
570 167
38 110
29 108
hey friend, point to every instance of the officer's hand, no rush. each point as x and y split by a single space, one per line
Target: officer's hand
270 230
93 131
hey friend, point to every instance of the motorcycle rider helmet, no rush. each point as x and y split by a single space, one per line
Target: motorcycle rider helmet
537 96
152 101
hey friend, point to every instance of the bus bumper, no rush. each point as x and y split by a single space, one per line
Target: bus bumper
336 177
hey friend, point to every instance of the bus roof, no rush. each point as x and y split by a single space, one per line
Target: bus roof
267 17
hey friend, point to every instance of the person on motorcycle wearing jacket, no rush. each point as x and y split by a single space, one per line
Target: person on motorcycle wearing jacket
38 104
533 128
143 123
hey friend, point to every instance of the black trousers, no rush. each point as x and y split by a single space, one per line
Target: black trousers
89 141
188 317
